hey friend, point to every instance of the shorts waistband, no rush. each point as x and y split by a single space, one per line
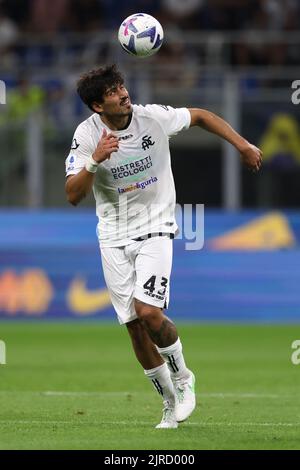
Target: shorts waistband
152 235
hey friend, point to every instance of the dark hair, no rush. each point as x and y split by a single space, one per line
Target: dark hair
92 85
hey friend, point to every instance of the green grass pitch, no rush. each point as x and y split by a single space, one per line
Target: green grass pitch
78 386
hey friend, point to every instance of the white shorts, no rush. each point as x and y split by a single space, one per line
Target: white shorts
140 271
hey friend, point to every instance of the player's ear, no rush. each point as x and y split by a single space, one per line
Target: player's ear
97 107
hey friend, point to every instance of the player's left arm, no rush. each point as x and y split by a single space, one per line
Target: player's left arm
251 155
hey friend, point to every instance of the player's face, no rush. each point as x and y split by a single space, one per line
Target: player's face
116 101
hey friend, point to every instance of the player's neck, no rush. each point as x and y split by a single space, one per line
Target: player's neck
117 123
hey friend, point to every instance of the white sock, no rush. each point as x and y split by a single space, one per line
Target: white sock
175 360
161 379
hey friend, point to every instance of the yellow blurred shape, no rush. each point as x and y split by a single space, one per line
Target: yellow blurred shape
85 302
269 232
30 292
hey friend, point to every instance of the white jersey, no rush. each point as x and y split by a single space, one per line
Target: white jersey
134 190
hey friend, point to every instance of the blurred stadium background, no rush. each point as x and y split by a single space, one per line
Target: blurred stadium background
236 58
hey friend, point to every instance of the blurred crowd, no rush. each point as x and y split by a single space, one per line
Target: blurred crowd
58 17
29 30
86 15
40 58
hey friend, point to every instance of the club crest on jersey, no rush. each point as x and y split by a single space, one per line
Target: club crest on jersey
147 142
74 145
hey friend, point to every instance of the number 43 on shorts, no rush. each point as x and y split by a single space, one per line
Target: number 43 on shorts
149 287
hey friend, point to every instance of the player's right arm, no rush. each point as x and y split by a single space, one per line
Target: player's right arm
80 184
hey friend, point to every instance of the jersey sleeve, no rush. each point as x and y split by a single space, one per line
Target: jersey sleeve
81 150
172 120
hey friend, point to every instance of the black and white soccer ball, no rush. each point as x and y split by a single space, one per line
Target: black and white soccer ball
141 35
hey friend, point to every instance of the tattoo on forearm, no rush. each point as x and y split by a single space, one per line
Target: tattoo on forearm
165 335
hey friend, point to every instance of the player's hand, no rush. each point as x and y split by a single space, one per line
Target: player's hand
108 144
251 157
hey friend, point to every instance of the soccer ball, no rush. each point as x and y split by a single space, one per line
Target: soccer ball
141 35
